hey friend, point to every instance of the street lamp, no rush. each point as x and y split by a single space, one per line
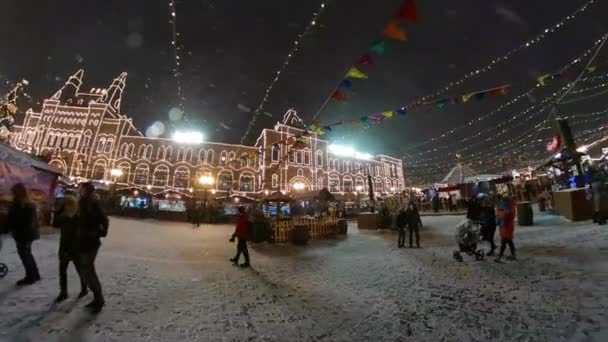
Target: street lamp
115 173
266 192
359 188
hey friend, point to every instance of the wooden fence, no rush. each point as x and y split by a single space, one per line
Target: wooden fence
319 228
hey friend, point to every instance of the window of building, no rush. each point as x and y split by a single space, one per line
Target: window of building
275 180
225 181
160 177
306 157
320 158
299 158
246 182
275 153
334 184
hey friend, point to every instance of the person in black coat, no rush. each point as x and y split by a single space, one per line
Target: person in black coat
488 224
22 220
67 219
401 224
93 225
413 223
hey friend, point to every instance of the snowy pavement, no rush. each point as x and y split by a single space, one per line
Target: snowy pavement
170 282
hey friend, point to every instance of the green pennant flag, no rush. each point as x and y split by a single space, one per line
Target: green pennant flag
378 47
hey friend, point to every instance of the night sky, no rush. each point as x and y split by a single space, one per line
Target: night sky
232 49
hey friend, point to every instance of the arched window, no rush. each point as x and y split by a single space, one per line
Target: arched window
246 182
319 158
168 153
126 170
378 185
320 183
109 145
275 180
123 150
188 155
300 172
299 158
149 152
160 153
130 150
332 164
141 174
359 184
181 177
160 177
201 155
141 153
244 159
388 185
101 144
180 154
99 170
210 156
348 184
275 153
306 157
87 138
291 155
224 181
334 183
231 156
223 157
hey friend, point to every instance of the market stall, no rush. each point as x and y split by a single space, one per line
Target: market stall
133 202
171 205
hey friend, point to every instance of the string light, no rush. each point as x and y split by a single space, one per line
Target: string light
478 71
526 94
175 45
296 45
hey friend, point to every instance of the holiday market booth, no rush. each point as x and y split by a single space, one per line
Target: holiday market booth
133 202
171 205
39 179
298 229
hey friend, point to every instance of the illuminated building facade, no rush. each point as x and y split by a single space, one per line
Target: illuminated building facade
85 135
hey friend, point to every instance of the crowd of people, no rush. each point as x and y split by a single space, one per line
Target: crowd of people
82 222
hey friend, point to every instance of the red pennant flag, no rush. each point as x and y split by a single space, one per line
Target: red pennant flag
393 31
338 95
408 12
366 59
337 123
569 73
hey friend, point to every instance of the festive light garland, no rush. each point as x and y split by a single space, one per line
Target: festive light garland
296 45
8 104
175 44
478 71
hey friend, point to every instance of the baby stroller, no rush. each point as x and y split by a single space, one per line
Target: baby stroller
3 267
467 238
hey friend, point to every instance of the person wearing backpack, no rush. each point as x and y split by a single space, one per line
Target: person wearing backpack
241 233
93 226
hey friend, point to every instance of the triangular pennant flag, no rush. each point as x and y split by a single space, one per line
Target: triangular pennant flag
338 95
479 96
337 123
376 118
541 79
455 100
364 119
327 128
591 68
365 59
346 84
356 73
408 12
466 98
316 122
494 92
378 47
312 127
568 73
442 103
388 114
505 90
393 31
401 111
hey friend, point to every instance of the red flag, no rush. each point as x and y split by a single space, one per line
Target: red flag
408 12
365 59
338 95
393 31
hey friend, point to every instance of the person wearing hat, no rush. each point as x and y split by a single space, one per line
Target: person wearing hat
241 233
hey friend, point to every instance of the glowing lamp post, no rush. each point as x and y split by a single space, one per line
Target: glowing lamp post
115 173
359 188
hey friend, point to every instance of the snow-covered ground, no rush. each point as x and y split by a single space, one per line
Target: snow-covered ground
170 282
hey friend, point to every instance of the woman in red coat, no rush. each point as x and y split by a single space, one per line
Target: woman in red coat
506 221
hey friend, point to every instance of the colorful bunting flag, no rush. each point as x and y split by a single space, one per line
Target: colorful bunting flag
376 118
378 47
402 111
364 119
408 12
365 59
479 96
337 123
338 95
591 68
442 103
394 31
355 73
541 79
327 128
466 97
346 84
388 114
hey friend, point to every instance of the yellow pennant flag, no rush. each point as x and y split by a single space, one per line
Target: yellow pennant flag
356 73
541 79
388 114
591 68
466 97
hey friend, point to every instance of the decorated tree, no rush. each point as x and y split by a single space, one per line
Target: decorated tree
9 104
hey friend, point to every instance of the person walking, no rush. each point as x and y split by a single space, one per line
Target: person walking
93 226
22 221
401 224
506 220
67 220
241 233
413 223
488 224
597 182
